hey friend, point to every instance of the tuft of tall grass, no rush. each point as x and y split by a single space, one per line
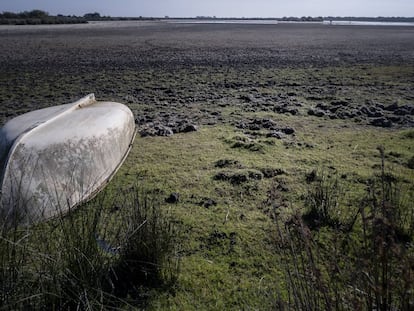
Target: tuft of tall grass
66 263
369 266
322 201
147 245
386 258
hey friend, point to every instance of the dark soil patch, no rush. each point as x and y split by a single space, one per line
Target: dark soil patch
237 177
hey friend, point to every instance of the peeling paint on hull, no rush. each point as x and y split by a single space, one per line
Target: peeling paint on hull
55 158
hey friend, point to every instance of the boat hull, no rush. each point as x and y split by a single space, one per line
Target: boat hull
61 156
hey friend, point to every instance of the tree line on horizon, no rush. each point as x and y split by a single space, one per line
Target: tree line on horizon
39 17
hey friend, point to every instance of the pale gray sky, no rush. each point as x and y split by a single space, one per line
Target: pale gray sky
219 8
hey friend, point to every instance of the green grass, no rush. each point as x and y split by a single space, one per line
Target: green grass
228 255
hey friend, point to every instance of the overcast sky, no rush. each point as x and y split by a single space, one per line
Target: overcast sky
219 8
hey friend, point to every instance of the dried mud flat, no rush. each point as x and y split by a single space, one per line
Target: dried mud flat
176 77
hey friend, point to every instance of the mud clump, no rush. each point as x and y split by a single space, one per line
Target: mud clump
271 127
379 115
167 129
238 177
269 172
224 163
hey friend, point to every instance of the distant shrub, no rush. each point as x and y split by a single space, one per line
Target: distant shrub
37 17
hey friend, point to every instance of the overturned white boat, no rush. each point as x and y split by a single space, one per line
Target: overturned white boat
55 158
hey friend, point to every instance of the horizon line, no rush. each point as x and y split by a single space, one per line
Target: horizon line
217 17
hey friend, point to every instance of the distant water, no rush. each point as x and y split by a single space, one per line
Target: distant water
361 23
225 21
274 22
